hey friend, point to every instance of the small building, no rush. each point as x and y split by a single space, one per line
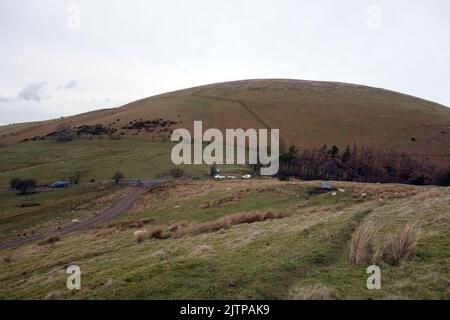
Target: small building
326 185
60 185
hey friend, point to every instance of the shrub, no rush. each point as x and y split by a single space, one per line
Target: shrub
361 245
176 173
117 177
75 179
64 133
401 246
23 186
13 182
213 170
445 179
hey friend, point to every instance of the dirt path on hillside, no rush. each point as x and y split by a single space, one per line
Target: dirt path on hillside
283 144
116 209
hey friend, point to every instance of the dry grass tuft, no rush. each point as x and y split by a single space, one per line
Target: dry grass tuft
317 292
142 235
49 240
377 256
234 219
106 232
362 245
123 225
325 234
177 226
429 194
401 246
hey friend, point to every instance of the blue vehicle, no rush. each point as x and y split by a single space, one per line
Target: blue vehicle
60 185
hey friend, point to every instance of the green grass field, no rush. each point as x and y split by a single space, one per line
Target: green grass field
287 258
49 160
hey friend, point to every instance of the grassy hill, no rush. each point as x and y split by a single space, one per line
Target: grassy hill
302 255
308 114
227 239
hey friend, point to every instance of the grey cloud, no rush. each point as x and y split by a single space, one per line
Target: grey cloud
69 85
6 99
33 92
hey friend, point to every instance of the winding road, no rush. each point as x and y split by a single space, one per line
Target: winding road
116 209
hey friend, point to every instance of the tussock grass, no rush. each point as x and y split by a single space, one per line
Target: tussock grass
231 220
142 235
106 232
130 224
429 194
401 246
325 234
178 225
362 245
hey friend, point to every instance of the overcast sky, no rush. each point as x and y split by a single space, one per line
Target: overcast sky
59 58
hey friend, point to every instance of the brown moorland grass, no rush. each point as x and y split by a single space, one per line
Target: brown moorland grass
362 244
231 220
142 235
174 227
401 246
130 224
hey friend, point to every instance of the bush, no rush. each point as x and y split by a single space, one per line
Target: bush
213 170
75 179
176 173
64 133
13 182
401 246
445 180
117 177
23 186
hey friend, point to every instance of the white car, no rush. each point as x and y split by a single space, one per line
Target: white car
246 176
218 176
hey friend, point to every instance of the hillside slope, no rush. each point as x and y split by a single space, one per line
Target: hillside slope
308 114
303 255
